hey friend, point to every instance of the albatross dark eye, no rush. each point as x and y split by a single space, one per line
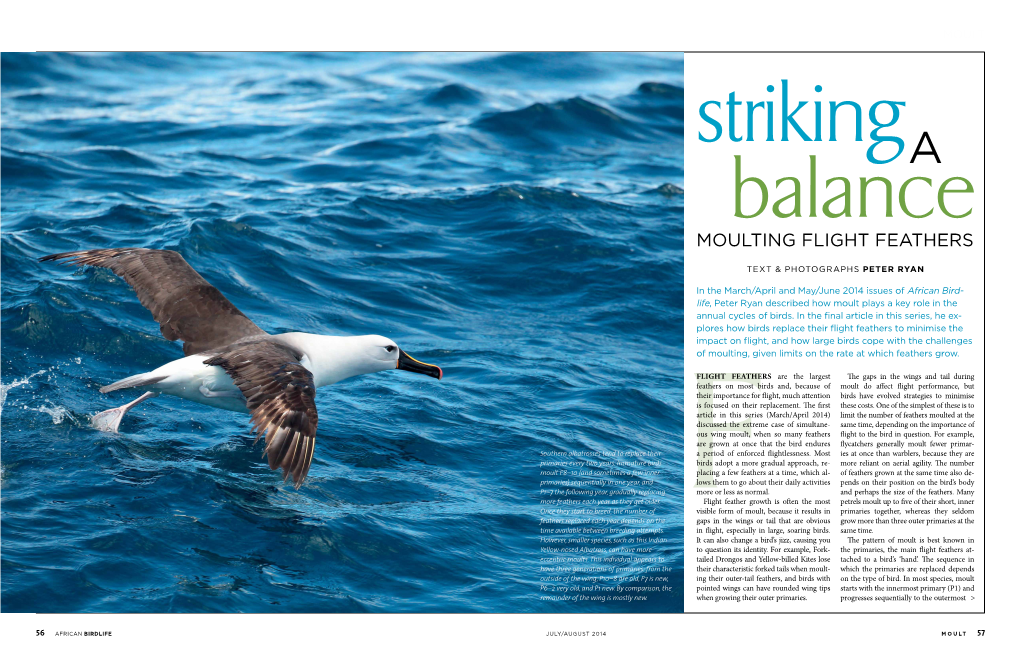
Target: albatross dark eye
391 349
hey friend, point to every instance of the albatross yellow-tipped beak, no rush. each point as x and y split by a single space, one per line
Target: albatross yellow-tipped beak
407 363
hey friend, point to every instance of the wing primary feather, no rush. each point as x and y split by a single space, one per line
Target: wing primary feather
280 395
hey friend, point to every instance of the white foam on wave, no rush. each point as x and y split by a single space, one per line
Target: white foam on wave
6 387
57 412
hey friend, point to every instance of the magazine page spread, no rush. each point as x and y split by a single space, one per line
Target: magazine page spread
640 349
834 333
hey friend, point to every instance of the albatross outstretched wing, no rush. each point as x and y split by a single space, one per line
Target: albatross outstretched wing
281 401
186 305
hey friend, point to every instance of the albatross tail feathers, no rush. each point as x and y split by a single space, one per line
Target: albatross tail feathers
139 380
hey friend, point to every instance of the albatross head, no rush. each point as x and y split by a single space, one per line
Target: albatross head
332 358
382 353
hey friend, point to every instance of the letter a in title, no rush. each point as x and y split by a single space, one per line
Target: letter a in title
931 152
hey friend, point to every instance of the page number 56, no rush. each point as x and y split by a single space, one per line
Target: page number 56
40 632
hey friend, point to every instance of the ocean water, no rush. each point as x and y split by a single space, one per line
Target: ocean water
514 218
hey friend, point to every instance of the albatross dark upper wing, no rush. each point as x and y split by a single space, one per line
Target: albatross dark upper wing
281 401
186 305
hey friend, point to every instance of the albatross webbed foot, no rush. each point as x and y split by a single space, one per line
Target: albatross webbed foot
109 420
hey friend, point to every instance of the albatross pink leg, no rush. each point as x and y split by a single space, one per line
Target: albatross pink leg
109 420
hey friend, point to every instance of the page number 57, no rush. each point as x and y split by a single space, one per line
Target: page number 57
981 632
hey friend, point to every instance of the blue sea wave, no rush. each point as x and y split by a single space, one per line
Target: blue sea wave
516 219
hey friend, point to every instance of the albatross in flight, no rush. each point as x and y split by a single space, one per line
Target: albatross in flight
233 364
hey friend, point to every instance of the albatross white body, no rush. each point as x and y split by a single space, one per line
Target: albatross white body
231 363
329 358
